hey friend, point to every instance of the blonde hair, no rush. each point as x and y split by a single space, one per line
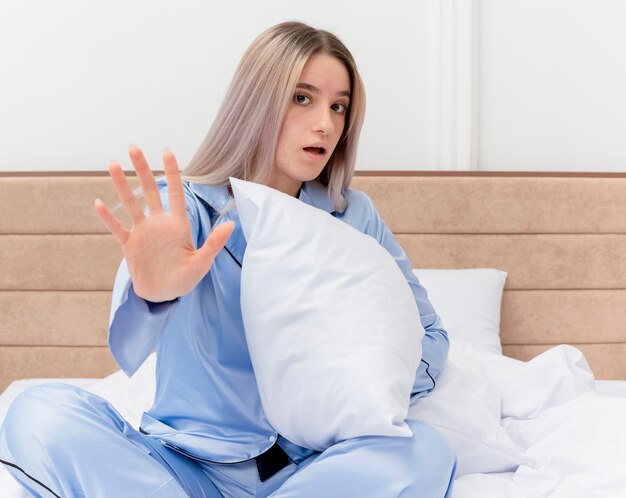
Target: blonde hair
242 140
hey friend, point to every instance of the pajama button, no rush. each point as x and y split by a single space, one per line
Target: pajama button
273 439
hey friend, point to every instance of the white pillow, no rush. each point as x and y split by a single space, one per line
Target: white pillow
332 326
468 301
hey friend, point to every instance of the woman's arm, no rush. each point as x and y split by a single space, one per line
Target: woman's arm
161 262
135 325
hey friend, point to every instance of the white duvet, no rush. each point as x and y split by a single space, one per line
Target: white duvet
520 429
569 441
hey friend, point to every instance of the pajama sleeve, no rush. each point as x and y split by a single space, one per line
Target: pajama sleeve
136 325
435 343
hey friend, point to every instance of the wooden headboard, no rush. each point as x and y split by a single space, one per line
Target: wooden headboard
560 237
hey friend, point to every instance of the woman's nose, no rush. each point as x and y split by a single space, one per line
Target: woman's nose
324 122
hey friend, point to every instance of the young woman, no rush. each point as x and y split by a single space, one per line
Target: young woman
291 120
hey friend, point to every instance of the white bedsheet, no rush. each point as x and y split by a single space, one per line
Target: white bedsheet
542 428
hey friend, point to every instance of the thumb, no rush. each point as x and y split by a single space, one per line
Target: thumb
215 242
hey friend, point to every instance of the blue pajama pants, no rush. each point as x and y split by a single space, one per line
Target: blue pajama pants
59 440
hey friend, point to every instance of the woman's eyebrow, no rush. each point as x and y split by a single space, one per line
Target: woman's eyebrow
314 89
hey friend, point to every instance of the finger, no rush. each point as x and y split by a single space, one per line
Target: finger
215 242
125 194
174 185
146 180
111 222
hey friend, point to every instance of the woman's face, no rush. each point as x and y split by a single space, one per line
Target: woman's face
313 124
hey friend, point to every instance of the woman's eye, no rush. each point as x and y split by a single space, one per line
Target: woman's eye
301 98
340 108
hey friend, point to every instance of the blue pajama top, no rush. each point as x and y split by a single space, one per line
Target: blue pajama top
207 403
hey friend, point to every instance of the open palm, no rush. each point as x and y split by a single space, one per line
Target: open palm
161 257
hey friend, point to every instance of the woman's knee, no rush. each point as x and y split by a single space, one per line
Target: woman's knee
428 441
40 415
437 460
408 467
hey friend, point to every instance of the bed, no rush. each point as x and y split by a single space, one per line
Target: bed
528 272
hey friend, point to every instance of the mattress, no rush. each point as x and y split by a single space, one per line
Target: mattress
542 428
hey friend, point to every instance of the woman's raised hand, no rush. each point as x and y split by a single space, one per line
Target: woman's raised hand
161 257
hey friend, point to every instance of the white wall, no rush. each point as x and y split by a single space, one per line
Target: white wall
83 80
552 85
452 84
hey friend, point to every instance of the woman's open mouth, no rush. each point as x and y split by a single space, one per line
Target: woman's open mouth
316 150
315 153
